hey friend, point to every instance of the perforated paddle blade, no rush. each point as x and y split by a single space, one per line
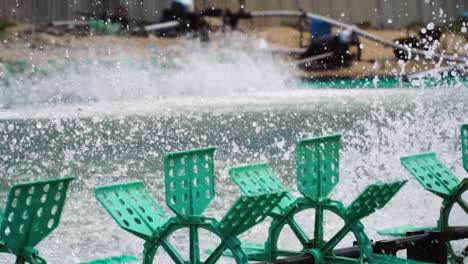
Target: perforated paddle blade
132 208
318 165
258 179
189 178
248 211
431 173
464 141
374 197
113 260
32 212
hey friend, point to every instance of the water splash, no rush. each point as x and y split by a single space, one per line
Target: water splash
129 114
227 67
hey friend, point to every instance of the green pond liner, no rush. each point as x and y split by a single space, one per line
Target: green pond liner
380 82
102 27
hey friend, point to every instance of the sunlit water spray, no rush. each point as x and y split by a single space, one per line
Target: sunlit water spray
107 119
225 68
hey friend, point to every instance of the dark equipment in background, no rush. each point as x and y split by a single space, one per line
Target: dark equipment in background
326 51
333 51
194 22
337 47
189 22
425 40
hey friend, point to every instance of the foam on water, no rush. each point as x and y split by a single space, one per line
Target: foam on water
110 119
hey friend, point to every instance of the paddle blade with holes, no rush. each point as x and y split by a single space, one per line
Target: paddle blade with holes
435 177
132 208
259 179
189 180
113 260
248 211
431 173
464 141
374 197
32 212
318 165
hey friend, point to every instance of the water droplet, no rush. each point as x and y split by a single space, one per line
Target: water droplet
430 26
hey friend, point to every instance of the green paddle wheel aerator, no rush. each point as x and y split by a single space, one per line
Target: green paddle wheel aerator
317 174
190 187
189 182
435 177
33 211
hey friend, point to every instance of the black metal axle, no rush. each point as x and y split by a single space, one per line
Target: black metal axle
423 246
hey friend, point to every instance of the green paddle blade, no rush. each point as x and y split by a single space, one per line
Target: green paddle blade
189 179
256 251
132 208
431 173
403 230
464 141
248 211
318 165
258 179
113 260
32 212
374 197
